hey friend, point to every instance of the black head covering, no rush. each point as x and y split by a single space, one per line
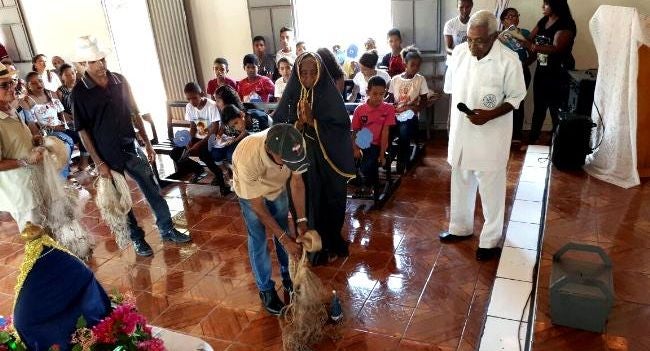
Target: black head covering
331 119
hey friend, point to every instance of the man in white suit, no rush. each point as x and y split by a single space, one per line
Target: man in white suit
486 76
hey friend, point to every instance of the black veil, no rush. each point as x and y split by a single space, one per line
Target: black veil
331 119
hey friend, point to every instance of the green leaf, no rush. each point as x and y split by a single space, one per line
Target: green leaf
77 348
4 337
81 322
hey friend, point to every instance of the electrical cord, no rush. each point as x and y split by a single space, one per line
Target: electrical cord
602 125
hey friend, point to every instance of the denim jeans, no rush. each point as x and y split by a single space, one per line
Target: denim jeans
369 167
69 144
138 167
257 247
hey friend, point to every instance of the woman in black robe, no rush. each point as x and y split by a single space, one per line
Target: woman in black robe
313 103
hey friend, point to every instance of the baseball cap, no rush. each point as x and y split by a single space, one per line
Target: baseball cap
285 140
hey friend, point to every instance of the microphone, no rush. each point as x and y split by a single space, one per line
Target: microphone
463 108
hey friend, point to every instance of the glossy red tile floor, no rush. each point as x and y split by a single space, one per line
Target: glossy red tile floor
401 289
585 210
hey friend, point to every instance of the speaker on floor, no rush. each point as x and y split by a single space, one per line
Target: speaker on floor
571 141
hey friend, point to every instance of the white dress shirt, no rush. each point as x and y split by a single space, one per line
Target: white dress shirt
482 84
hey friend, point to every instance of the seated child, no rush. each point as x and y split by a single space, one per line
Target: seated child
284 67
301 47
375 117
409 93
220 69
236 125
203 115
367 63
393 61
254 88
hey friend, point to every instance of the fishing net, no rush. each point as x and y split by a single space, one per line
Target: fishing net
59 206
114 202
304 318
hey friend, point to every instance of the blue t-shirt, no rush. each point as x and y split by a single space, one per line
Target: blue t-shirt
516 46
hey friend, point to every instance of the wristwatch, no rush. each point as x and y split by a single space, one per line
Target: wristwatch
300 220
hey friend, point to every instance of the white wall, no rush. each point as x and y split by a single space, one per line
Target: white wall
54 26
221 29
531 11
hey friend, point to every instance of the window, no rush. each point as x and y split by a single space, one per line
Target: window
343 22
12 32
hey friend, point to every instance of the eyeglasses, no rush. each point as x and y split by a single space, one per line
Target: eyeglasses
478 42
512 15
9 84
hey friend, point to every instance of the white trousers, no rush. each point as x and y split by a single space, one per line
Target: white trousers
22 217
492 187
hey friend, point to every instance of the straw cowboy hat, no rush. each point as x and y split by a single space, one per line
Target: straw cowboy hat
88 50
7 72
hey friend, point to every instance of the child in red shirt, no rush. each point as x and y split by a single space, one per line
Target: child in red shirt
254 88
370 124
220 69
393 61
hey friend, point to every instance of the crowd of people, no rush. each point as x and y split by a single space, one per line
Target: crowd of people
300 158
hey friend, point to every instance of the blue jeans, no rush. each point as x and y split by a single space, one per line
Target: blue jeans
257 247
69 143
138 167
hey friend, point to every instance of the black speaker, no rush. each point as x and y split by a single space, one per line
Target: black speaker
571 141
581 91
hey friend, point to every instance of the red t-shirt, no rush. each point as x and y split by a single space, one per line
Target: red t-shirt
373 118
262 86
396 65
214 84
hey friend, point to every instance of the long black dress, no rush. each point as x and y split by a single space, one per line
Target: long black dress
330 155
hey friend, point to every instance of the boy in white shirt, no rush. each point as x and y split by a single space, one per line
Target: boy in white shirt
203 115
286 43
409 93
455 30
367 64
284 67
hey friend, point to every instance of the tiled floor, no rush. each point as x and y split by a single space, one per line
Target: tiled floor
585 210
401 289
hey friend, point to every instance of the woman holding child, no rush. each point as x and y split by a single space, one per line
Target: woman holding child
313 103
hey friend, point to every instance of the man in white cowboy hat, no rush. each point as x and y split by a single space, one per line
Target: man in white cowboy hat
105 116
16 156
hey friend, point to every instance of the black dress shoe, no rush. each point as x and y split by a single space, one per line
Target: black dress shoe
487 254
175 236
447 237
287 284
142 248
272 302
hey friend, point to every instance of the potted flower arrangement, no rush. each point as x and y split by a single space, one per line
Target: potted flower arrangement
124 329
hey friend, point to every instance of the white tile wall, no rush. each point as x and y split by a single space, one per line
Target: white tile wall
508 299
538 149
530 191
522 235
517 264
526 211
503 334
506 324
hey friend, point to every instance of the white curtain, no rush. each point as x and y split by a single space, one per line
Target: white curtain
617 32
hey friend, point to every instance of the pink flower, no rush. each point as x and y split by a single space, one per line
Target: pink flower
151 345
104 331
128 318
